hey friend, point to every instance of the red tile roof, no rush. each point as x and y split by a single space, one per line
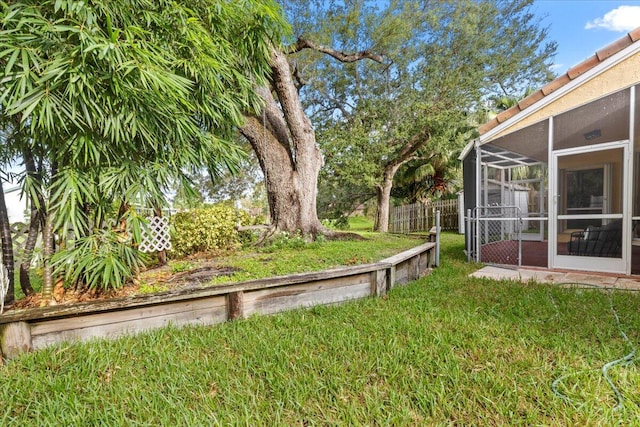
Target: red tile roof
570 75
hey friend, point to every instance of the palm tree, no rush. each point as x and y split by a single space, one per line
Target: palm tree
7 246
117 113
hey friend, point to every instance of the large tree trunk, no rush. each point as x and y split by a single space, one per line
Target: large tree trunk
383 194
284 142
7 246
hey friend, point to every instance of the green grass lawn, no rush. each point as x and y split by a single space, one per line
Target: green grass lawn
444 350
295 256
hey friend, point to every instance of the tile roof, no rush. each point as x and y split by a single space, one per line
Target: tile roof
562 80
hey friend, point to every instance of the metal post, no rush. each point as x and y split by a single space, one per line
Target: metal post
477 234
468 234
502 201
519 226
437 239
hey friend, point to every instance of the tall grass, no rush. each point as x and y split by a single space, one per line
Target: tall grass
445 350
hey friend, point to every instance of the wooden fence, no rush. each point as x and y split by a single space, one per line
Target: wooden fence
422 216
36 328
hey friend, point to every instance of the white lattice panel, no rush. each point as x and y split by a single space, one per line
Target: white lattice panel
155 236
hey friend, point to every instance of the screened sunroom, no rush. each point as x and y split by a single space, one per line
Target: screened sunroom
556 184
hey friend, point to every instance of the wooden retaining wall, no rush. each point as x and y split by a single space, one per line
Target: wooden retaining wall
37 328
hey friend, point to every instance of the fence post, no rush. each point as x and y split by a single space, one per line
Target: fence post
519 226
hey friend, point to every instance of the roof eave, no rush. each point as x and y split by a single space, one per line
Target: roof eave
604 59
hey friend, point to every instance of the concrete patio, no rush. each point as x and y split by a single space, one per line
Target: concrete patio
569 278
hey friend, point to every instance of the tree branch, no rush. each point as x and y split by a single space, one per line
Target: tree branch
335 104
340 56
273 119
300 81
297 121
408 150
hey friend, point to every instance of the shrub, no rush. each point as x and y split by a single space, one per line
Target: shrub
206 229
103 260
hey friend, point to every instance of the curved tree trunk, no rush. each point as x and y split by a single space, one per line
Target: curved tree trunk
405 154
7 246
284 142
383 194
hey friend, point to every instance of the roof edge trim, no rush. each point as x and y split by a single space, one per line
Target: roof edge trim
580 79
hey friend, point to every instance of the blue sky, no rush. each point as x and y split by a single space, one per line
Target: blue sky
581 27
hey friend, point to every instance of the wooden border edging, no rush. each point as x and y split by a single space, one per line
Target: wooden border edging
36 328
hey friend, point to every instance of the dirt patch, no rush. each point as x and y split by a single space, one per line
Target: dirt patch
195 271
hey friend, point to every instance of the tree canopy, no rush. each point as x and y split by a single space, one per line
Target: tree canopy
439 64
116 101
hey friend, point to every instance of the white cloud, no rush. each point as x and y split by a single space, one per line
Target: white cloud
622 19
555 67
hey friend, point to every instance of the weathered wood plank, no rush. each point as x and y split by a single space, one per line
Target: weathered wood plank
373 281
423 264
413 266
381 283
206 316
134 314
15 338
403 256
339 282
391 277
266 303
402 273
215 304
190 292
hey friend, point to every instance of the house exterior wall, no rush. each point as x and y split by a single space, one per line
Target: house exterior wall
619 76
16 206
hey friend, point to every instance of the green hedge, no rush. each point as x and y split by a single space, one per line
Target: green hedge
206 229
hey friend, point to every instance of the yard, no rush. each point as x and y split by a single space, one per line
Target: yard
445 349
